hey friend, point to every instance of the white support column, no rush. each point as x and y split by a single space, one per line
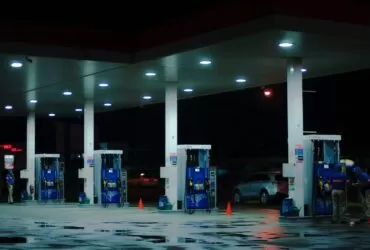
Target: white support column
295 128
89 149
171 121
31 146
87 172
171 143
169 171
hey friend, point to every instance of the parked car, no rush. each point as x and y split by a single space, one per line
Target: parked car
265 186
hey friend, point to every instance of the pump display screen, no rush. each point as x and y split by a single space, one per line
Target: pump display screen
49 183
111 184
199 187
9 161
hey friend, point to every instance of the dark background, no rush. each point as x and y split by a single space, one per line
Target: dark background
240 126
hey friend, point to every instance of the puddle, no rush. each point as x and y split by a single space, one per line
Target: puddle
198 241
73 227
46 225
186 240
40 222
163 239
144 223
315 235
102 230
138 225
122 232
13 240
152 238
224 226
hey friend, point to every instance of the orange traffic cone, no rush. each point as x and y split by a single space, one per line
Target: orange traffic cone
229 212
141 204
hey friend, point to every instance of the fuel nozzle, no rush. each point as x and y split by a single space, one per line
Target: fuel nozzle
191 182
321 183
190 185
206 184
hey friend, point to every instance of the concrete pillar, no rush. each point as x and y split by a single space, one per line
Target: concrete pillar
171 187
89 149
87 172
171 121
295 128
31 151
171 78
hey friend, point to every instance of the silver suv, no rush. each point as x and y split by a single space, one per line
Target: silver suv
265 186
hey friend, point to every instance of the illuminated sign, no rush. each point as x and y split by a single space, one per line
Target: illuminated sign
8 161
16 150
7 146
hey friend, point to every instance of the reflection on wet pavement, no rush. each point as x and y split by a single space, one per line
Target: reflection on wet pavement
37 227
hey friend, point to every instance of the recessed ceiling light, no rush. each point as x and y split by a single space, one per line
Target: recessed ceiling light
78 110
303 70
67 93
285 44
147 97
33 101
205 62
103 85
240 80
188 90
51 114
150 74
107 104
8 107
16 64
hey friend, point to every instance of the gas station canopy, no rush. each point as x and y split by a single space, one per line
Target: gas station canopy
252 53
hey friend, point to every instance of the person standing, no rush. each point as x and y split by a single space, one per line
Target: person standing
362 180
10 182
338 194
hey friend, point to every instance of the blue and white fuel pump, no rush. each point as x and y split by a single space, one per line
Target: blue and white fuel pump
313 164
110 179
49 178
191 183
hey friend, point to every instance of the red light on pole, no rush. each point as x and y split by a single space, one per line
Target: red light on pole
267 92
7 146
16 150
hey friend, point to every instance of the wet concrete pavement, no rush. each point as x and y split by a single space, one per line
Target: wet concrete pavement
72 227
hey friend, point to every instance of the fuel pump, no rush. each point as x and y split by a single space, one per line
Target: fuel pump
197 194
110 178
49 178
312 172
190 181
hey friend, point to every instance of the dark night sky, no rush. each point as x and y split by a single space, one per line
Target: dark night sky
237 124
